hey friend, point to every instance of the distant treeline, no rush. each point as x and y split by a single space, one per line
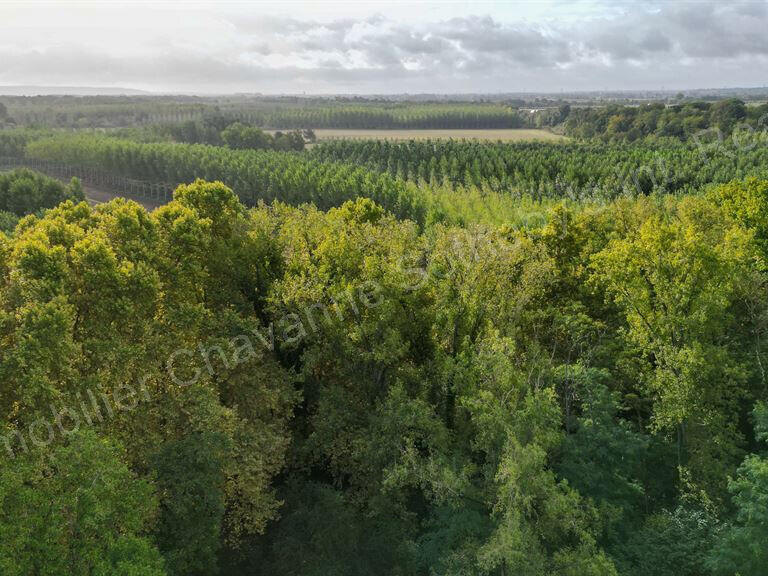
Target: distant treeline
685 120
429 116
214 130
98 111
220 131
681 120
131 111
612 122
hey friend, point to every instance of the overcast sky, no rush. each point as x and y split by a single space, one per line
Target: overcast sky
384 47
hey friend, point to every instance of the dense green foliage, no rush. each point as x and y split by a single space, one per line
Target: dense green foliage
576 170
25 192
739 548
243 137
76 511
291 391
93 304
8 221
684 120
13 142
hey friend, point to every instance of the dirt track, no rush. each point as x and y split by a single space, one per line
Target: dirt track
97 196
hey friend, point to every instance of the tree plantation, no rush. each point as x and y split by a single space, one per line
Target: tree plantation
264 112
583 169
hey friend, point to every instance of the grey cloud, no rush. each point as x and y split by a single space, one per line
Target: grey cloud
655 41
413 42
528 45
633 46
720 32
638 32
260 48
692 30
756 9
623 44
181 69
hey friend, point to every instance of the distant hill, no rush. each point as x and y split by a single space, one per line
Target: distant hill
69 90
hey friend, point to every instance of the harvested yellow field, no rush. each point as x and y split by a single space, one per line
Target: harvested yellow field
500 134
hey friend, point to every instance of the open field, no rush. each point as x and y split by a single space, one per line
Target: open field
511 134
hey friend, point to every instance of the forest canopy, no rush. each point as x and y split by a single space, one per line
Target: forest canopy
292 391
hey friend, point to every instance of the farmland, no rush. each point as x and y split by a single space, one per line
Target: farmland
504 135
